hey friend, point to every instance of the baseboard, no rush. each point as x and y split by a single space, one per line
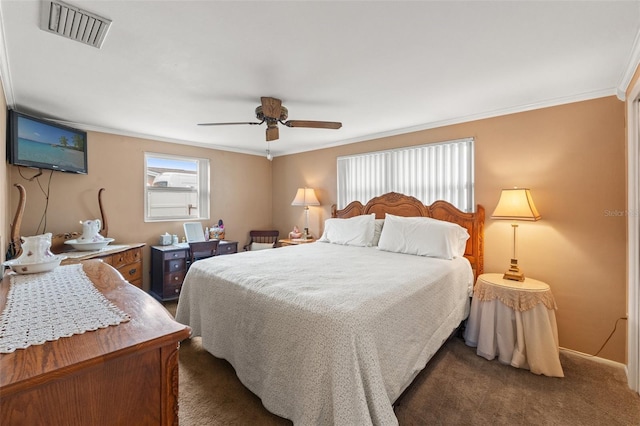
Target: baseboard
596 358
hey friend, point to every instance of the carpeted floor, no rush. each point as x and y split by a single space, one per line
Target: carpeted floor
456 388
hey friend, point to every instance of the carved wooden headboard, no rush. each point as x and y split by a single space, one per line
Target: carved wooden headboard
404 205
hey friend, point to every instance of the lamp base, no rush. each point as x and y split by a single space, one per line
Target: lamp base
514 273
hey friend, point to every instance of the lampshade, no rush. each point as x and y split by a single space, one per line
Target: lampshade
516 204
305 197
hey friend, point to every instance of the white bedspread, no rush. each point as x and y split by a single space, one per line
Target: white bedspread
323 333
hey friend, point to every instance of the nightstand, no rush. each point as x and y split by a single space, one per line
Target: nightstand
516 322
169 266
295 241
168 269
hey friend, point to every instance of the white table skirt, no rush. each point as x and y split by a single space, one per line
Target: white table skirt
527 339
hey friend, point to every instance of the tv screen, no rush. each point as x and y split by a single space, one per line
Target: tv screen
33 142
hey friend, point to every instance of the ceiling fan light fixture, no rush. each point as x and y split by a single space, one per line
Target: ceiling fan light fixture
272 112
260 115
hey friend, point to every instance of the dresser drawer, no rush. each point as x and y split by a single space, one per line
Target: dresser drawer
124 258
176 254
175 265
107 259
172 289
227 248
173 279
131 272
137 283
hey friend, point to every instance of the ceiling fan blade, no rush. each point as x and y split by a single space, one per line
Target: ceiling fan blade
313 124
228 124
272 133
271 107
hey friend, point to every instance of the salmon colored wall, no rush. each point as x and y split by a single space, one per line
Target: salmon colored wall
240 192
572 157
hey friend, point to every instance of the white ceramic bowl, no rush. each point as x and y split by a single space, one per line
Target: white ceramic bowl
21 267
89 245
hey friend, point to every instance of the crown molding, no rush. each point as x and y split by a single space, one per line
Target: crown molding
463 119
632 66
151 137
442 123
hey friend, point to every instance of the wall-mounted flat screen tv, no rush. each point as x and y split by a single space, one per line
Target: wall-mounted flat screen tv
42 144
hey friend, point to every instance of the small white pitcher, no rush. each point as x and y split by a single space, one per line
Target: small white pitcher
36 249
90 229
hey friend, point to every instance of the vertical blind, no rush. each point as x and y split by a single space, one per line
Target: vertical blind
437 171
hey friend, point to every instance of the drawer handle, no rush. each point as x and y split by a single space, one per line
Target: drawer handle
175 254
177 290
132 271
175 278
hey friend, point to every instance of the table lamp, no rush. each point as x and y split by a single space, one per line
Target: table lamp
515 204
305 197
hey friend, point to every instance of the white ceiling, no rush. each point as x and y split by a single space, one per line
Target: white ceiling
379 67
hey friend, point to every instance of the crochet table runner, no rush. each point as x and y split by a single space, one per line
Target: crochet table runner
47 306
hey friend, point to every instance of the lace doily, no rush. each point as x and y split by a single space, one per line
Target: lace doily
106 250
518 300
48 306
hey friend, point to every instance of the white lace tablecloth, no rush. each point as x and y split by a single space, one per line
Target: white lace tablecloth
47 306
516 322
77 254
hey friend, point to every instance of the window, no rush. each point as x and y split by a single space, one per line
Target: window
437 171
176 188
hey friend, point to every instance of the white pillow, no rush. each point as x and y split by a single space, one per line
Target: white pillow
423 236
261 246
379 223
354 231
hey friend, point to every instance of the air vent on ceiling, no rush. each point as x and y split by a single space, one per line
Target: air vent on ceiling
70 22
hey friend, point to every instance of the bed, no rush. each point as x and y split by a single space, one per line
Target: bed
333 333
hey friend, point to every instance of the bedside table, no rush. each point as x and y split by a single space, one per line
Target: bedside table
168 269
295 241
516 322
169 266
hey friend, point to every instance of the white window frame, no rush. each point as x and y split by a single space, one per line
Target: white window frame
429 172
179 206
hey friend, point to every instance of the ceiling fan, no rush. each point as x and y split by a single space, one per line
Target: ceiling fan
272 112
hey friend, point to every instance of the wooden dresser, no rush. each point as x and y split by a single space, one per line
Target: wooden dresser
124 374
126 258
